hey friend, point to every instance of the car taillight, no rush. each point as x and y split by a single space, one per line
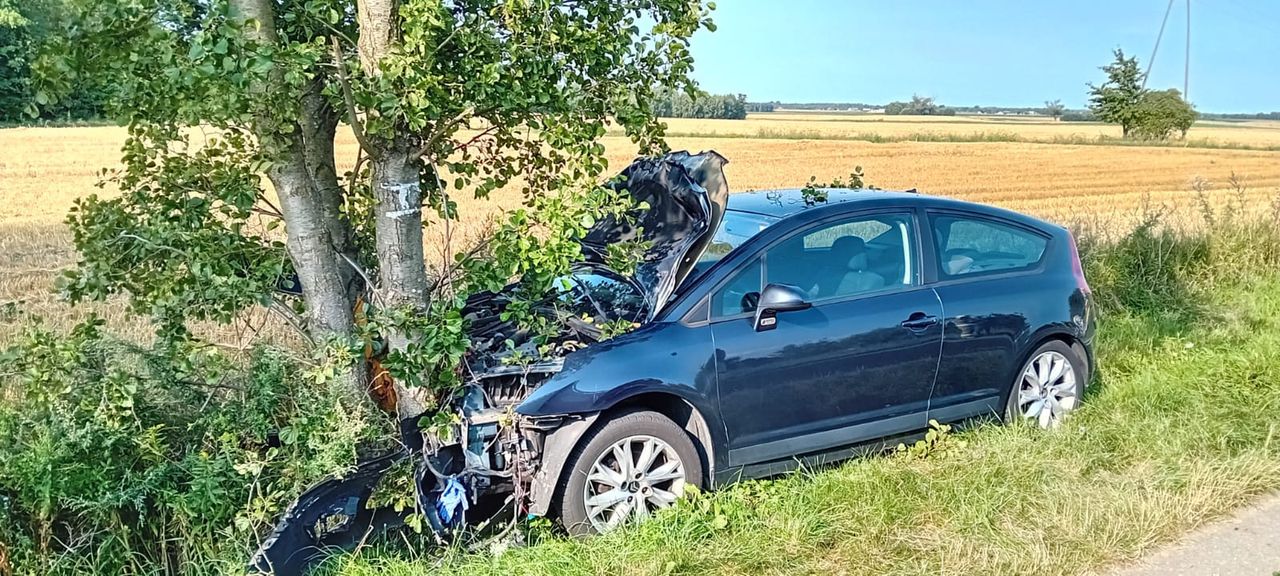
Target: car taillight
1077 269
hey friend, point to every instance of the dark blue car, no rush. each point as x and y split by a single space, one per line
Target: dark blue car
770 328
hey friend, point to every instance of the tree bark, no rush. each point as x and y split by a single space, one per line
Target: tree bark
379 22
401 261
323 272
319 125
402 272
306 182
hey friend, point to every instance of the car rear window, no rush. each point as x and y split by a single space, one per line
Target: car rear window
973 245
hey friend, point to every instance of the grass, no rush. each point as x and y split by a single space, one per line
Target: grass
1177 431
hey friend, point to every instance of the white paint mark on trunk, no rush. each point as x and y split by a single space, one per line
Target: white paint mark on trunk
405 200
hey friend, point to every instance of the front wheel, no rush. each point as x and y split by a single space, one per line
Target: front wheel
1049 385
625 470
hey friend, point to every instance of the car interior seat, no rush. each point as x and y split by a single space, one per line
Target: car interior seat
847 270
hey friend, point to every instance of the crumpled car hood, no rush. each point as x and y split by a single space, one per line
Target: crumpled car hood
686 194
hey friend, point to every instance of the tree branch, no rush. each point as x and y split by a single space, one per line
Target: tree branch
264 212
368 282
440 132
356 127
486 132
279 308
355 170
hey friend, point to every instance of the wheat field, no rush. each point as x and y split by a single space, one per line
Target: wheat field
830 125
42 171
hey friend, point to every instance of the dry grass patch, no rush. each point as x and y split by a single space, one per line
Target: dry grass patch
43 170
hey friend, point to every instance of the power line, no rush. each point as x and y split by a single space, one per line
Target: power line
1152 61
1186 63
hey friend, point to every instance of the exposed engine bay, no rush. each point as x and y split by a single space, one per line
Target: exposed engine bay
492 457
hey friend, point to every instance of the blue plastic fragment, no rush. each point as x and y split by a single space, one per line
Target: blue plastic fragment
452 501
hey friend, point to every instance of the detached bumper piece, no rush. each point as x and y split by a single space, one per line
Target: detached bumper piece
332 514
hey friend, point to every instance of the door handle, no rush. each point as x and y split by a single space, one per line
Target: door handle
919 321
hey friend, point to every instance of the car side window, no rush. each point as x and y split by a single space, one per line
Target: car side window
973 245
739 294
846 258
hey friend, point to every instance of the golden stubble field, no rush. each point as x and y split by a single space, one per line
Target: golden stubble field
42 170
822 125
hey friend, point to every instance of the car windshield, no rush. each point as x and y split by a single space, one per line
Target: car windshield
735 229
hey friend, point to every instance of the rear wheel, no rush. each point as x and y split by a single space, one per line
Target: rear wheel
627 469
1049 385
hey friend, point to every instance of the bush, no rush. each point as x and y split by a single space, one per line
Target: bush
1159 269
1162 113
121 460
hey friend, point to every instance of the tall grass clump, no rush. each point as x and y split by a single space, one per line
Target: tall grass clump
1158 268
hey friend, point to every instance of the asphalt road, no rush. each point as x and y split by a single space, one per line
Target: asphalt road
1246 544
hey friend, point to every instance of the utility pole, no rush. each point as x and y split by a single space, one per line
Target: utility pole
1186 65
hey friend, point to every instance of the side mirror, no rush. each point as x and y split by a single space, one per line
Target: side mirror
777 298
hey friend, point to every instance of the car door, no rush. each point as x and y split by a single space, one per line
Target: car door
856 365
988 280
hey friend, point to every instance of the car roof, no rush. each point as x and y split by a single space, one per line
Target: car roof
782 203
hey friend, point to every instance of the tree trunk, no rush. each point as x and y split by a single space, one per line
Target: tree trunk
325 276
379 22
401 262
306 182
319 125
402 270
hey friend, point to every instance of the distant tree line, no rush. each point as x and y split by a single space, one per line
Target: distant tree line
1078 116
761 106
918 106
1255 116
701 105
827 106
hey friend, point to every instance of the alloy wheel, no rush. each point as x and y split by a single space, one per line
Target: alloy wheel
1048 389
633 478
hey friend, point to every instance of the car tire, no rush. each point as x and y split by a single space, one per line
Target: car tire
595 472
1046 404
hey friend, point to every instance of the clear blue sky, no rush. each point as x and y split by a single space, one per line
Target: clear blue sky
986 52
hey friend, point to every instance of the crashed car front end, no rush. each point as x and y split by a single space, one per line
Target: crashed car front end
501 452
